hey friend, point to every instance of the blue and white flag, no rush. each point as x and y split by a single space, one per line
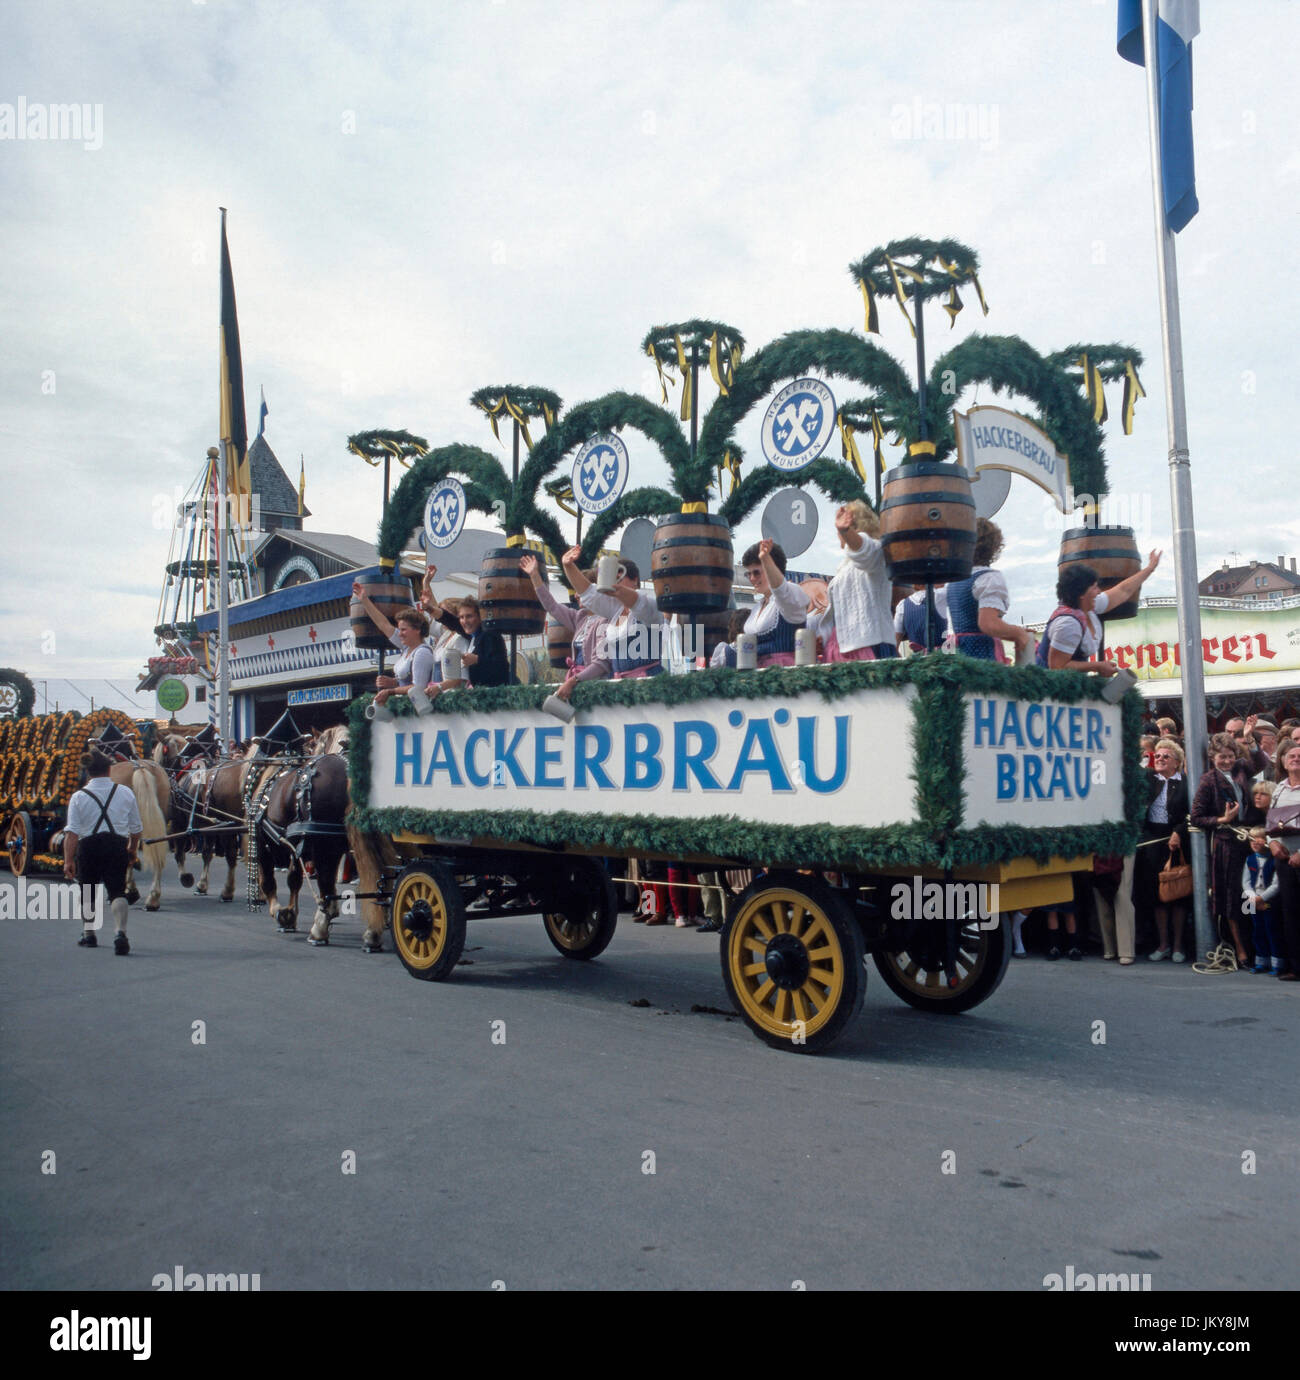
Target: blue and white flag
1177 23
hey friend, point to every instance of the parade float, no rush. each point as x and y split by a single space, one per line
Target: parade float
892 808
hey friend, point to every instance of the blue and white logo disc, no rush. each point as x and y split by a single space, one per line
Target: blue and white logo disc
600 471
798 424
444 514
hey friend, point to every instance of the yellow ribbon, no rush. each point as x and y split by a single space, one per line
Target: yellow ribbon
1133 390
659 368
688 397
877 438
385 563
731 466
979 292
849 449
921 448
695 507
548 416
563 497
894 270
713 365
952 306
873 318
1092 386
517 539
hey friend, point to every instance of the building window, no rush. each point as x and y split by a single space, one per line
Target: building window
200 694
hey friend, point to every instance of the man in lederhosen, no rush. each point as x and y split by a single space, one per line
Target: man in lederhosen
102 838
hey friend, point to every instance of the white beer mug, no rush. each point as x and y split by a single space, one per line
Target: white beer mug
805 647
609 571
746 652
452 668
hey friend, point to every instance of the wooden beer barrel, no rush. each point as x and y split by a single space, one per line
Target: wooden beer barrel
391 594
505 594
927 523
691 563
1112 552
559 644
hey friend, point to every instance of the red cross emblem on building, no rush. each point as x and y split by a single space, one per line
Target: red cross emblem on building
311 632
234 651
270 641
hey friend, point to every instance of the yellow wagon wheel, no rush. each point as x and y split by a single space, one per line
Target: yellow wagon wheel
917 974
792 961
428 920
580 908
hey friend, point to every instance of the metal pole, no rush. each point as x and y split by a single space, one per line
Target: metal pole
397 569
514 479
1180 487
223 602
932 638
695 398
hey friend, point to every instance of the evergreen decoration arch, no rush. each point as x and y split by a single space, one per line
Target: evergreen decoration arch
685 345
17 694
402 446
487 491
519 403
837 481
609 413
917 269
832 352
1008 364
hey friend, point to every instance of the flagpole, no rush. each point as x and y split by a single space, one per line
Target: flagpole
1180 488
223 604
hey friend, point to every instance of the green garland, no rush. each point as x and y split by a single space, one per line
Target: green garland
373 446
661 341
488 485
921 256
1110 360
835 479
24 690
609 413
938 730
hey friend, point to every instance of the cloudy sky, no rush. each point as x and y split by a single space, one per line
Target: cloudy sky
428 198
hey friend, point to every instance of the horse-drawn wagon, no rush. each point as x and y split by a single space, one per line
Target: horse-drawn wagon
40 768
896 809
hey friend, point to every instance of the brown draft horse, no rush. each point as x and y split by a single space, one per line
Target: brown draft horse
298 811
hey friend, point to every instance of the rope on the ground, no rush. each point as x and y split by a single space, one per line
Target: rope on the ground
1222 959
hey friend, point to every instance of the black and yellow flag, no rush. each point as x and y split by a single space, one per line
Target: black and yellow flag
234 426
1092 384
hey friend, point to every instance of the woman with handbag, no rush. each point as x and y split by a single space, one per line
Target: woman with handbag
1284 828
1222 806
1160 851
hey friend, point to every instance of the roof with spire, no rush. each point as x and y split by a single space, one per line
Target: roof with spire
277 494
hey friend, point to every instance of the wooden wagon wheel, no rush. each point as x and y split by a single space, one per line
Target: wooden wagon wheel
582 909
428 918
792 961
18 843
981 962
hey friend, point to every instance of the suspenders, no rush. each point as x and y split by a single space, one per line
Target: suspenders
103 812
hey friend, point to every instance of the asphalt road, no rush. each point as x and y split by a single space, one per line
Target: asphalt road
522 1152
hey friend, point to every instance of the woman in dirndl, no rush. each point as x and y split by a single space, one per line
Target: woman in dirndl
1223 804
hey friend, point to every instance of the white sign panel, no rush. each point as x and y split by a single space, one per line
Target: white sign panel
993 438
1040 763
768 761
444 514
600 471
798 425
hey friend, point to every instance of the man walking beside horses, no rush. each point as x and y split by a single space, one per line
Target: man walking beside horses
100 845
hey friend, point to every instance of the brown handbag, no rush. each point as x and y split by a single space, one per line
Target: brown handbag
1175 882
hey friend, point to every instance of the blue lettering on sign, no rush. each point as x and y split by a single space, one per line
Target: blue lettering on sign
1060 778
1076 729
986 721
1033 773
642 769
1055 739
592 744
443 759
503 757
1006 776
696 762
410 759
476 777
1095 741
1035 737
544 757
759 752
823 785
